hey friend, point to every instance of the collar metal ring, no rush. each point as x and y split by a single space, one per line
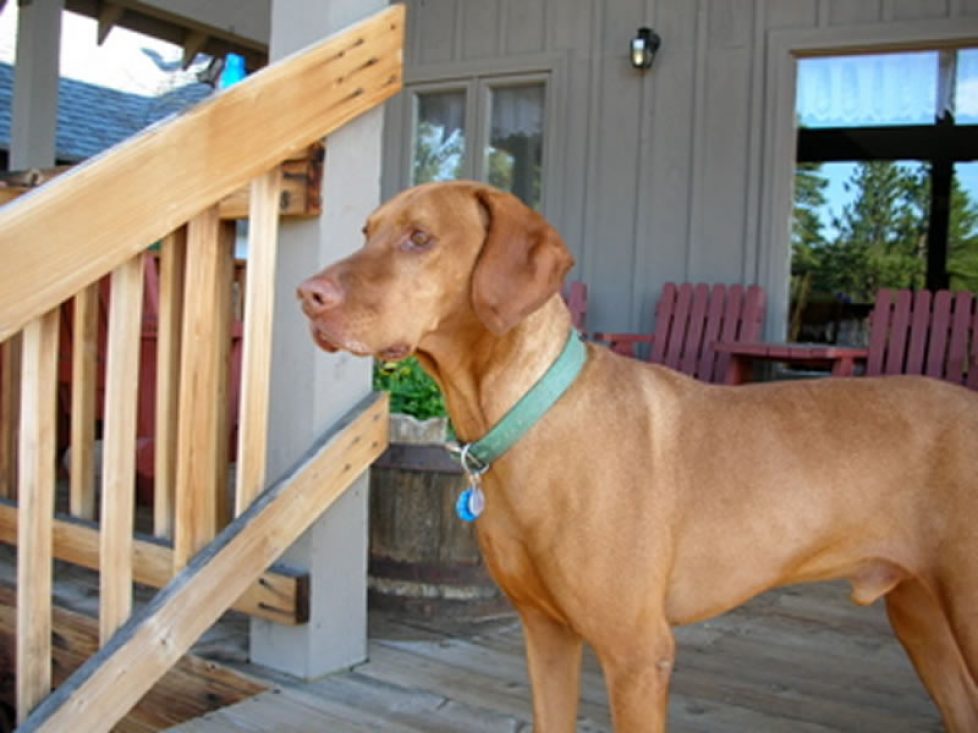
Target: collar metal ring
470 464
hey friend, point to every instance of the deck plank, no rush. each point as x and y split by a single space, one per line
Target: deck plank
273 711
796 660
482 670
409 709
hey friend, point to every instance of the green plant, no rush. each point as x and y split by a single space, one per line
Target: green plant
412 391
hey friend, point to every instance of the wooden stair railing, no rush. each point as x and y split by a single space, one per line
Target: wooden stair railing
165 185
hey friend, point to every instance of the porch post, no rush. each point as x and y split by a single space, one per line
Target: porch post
35 104
311 389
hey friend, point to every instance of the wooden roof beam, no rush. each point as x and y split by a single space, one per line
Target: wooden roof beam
108 15
151 21
194 43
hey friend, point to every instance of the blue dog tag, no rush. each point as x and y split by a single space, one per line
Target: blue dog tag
470 504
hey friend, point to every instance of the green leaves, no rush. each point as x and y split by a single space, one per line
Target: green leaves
412 391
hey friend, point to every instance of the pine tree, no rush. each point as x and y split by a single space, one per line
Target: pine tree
807 240
882 233
806 227
882 236
962 245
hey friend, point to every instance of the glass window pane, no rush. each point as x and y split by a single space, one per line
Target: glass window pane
874 90
962 245
514 157
858 227
966 89
439 144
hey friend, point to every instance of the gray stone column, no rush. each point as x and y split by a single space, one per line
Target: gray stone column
311 389
35 106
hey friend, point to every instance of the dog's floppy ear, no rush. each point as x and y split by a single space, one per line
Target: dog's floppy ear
522 264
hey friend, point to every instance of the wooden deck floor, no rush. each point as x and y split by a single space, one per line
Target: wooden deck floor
798 660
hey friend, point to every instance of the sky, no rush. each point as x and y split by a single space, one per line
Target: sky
122 62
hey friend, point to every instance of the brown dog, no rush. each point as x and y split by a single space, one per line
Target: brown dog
644 499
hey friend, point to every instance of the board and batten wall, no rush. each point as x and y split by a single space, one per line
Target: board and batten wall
681 173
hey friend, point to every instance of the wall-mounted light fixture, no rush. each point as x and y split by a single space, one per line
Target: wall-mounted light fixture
643 47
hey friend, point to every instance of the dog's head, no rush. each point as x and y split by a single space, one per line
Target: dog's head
437 256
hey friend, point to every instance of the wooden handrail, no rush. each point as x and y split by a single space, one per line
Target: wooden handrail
302 177
61 237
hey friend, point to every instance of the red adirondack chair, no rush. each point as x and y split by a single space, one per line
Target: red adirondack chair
922 333
689 320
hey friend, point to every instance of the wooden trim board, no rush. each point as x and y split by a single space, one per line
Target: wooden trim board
301 189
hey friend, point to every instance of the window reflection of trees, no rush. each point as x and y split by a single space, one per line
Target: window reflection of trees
510 142
898 131
438 156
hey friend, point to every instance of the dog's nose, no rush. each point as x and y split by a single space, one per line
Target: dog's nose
319 294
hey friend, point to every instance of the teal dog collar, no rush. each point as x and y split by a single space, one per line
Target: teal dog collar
476 458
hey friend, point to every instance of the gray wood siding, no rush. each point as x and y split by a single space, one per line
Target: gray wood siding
657 176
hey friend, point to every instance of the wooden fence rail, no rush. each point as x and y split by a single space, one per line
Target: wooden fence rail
87 292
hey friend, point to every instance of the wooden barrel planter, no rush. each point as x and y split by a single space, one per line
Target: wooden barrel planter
423 558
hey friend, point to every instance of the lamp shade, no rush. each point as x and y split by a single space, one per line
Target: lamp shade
643 47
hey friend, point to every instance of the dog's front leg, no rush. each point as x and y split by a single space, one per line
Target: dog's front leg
637 667
553 656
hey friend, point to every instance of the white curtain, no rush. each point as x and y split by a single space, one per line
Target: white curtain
517 111
851 91
443 109
966 92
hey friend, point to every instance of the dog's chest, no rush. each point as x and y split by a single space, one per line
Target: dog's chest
518 570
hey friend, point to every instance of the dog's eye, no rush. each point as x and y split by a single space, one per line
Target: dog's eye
418 241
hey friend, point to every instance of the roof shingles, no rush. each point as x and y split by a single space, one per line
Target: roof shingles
92 118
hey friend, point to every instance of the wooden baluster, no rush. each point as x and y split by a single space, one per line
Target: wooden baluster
173 260
256 368
223 314
119 447
38 439
84 359
10 355
201 374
